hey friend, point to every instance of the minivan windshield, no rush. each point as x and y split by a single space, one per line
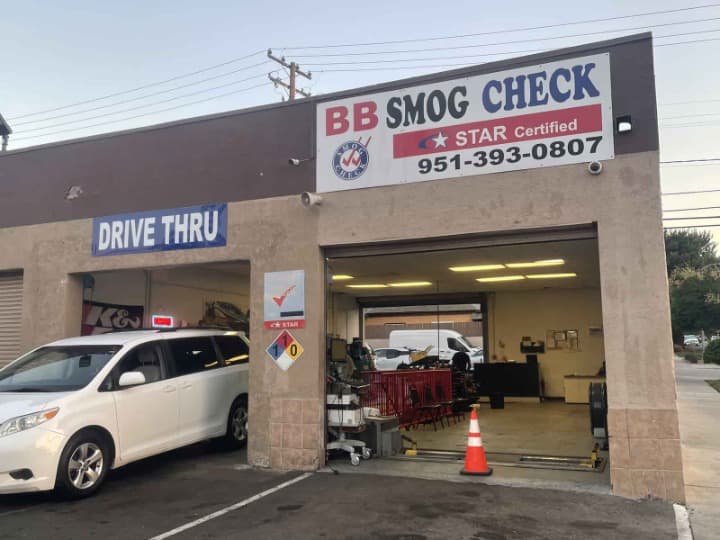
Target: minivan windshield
56 369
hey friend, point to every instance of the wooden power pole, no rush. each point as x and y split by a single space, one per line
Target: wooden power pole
294 71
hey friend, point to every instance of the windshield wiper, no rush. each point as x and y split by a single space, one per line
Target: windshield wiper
27 389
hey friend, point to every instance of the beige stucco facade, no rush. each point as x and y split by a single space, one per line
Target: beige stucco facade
287 407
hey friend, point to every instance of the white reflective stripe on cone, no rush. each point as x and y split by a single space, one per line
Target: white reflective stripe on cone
475 441
474 426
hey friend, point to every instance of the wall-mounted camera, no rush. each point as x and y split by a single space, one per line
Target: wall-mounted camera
595 167
310 199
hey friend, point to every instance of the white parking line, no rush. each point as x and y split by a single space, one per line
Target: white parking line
682 522
236 506
11 512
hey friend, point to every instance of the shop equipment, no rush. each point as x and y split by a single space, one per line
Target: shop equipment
598 413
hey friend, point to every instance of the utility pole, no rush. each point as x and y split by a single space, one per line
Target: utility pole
294 71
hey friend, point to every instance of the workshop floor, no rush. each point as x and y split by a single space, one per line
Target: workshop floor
548 428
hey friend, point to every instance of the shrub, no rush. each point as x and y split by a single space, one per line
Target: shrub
692 357
712 352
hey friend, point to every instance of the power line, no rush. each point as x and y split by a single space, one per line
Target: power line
691 192
528 40
138 88
494 32
704 226
692 209
689 116
145 114
454 57
692 217
672 104
145 96
161 102
689 160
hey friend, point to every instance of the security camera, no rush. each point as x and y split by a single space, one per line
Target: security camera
294 161
310 199
595 167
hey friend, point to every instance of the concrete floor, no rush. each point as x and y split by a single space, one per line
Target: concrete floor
551 428
548 428
699 410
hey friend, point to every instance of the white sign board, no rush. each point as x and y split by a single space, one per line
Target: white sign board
284 299
538 116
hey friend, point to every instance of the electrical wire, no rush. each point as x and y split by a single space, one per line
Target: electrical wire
146 114
529 40
706 226
688 160
691 192
138 88
145 96
161 102
692 217
692 209
494 32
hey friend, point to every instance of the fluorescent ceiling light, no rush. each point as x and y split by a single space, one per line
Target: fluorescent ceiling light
477 268
342 277
535 264
411 284
499 278
368 286
551 276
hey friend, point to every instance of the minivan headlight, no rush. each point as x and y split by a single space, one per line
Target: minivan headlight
21 423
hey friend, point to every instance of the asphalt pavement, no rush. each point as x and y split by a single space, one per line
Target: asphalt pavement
158 496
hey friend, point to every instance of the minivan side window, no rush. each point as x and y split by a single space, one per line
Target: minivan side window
192 355
233 350
147 359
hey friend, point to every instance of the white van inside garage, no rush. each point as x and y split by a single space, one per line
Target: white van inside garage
531 306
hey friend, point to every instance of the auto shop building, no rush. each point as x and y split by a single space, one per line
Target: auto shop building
537 176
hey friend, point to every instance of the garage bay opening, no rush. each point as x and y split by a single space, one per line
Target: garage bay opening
510 327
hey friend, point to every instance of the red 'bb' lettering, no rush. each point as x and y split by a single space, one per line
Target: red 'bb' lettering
336 120
365 116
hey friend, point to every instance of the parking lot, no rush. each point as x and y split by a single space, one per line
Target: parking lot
159 496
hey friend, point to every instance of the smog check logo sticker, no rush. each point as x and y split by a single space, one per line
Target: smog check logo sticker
351 159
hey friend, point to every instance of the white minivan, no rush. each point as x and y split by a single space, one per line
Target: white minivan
444 343
73 409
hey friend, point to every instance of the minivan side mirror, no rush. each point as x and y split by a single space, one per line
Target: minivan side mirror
131 378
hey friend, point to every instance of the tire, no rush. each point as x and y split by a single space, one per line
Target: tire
237 424
84 463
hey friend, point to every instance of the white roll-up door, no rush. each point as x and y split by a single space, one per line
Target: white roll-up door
11 292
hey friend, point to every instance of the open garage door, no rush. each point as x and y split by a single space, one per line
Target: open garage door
509 322
11 293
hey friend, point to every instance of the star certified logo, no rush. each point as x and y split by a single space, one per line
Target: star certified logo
351 159
439 141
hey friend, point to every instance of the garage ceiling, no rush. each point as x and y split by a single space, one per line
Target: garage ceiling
580 256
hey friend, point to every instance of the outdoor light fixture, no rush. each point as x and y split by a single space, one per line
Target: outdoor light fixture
477 268
499 278
342 277
369 286
551 276
535 264
411 284
623 124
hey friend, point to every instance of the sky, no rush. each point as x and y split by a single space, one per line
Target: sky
56 54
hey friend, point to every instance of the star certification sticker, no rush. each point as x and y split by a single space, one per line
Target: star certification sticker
440 140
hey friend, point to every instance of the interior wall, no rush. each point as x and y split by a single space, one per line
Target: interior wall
343 317
513 315
180 292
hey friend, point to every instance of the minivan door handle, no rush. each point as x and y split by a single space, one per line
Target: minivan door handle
186 385
169 388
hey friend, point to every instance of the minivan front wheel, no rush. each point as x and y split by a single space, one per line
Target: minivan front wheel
237 428
83 465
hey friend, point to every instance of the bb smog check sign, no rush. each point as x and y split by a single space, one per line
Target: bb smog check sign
161 230
538 116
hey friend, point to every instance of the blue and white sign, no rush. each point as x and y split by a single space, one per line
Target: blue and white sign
161 230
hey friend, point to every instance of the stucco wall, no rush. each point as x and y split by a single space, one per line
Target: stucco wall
279 234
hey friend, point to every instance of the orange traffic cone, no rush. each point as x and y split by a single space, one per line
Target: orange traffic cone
475 460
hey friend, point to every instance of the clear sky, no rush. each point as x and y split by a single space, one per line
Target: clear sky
60 53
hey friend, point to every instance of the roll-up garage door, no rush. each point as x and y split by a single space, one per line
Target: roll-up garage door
11 289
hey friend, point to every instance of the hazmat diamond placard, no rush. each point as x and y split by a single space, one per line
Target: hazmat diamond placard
284 350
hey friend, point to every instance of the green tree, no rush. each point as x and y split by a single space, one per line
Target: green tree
694 301
689 249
